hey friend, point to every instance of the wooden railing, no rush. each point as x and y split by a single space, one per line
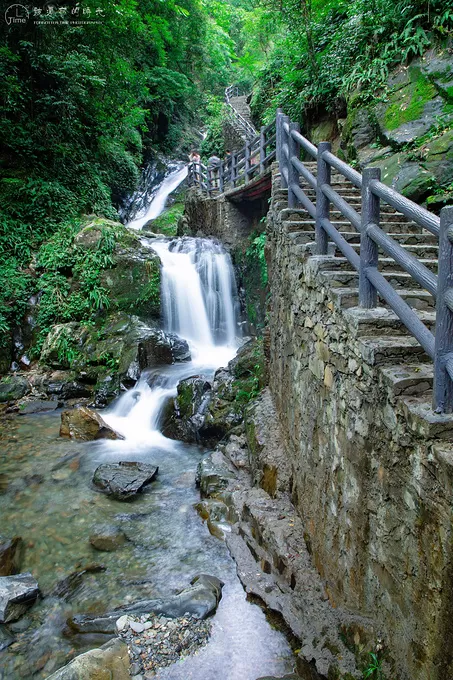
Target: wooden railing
291 148
238 169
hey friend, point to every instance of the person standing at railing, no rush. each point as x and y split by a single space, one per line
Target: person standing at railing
214 163
194 156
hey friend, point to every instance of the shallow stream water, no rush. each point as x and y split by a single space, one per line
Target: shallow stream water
47 497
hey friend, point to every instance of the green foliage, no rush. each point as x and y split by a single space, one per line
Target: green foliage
255 255
374 668
325 51
15 289
213 143
70 276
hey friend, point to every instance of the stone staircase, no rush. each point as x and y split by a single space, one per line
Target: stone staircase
241 107
406 370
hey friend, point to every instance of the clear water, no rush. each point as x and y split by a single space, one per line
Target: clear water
47 498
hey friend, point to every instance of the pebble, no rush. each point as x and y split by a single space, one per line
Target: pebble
137 627
122 623
156 641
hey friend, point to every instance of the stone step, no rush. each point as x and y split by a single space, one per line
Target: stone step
391 350
409 379
421 250
303 232
350 278
415 297
382 321
386 264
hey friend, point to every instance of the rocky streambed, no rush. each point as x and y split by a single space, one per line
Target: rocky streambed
99 559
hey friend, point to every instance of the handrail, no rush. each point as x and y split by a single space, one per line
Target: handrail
247 127
282 140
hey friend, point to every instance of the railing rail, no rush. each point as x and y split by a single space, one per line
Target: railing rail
283 142
246 126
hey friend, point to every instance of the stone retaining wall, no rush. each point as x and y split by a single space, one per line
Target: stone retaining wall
372 472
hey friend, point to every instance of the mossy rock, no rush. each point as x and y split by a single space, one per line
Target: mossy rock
414 106
13 388
438 68
184 414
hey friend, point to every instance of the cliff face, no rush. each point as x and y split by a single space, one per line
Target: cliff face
407 130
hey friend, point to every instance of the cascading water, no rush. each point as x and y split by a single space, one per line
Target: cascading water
157 205
200 304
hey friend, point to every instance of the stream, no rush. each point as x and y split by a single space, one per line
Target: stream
47 497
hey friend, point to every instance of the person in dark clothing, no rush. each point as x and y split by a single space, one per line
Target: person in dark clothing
214 163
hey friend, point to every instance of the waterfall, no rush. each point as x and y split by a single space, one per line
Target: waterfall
200 304
157 205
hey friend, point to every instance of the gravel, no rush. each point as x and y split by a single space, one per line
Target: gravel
155 641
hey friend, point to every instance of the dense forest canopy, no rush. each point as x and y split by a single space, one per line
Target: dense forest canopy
91 90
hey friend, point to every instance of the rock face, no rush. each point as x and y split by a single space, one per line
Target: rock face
124 480
17 594
418 102
11 550
85 424
102 357
107 538
200 600
109 662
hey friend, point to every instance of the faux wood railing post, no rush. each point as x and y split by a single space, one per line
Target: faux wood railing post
322 202
233 168
221 178
284 168
247 161
279 141
368 248
262 148
293 175
443 347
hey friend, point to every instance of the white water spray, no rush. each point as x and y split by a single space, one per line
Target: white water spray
157 205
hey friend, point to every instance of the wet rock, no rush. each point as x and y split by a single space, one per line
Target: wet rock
13 388
212 477
11 551
162 348
292 676
109 661
125 479
69 586
83 423
6 638
200 600
107 538
185 413
37 406
17 594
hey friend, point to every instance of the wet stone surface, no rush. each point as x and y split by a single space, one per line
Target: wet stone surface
156 641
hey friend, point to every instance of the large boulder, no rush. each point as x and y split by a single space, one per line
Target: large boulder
109 662
125 479
11 550
199 600
95 360
185 414
13 388
17 594
85 424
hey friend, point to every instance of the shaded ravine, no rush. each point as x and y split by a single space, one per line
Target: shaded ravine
48 498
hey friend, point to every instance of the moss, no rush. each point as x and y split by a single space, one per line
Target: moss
167 222
408 103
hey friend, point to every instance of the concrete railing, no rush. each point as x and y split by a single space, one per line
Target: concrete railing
287 145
